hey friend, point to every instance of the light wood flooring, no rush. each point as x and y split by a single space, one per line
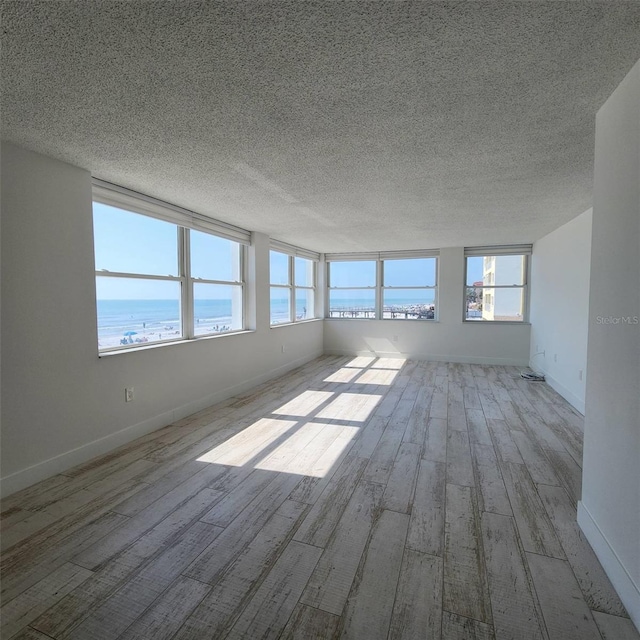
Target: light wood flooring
358 498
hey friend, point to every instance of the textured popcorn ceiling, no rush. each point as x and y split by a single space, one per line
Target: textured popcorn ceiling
334 125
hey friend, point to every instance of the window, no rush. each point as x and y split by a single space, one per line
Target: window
293 284
216 278
280 296
352 289
157 280
305 292
389 286
409 289
496 284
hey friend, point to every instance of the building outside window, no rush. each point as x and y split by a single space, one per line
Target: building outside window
496 283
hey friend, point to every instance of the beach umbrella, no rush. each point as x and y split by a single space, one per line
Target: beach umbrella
130 333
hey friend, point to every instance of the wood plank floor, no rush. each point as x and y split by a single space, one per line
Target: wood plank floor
354 498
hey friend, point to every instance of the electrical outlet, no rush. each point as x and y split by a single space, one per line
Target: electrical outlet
395 338
128 394
282 348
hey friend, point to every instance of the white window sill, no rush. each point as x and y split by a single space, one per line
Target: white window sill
171 343
430 321
293 324
501 322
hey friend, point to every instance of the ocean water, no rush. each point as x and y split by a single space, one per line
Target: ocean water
154 320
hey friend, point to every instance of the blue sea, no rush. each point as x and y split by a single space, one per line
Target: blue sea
136 321
121 321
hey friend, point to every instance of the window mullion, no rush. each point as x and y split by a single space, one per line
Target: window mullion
351 288
223 282
244 271
499 286
426 286
187 300
325 289
292 288
137 276
379 279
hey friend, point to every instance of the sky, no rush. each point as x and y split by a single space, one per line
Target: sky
419 272
132 243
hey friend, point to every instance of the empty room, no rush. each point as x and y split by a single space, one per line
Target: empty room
320 320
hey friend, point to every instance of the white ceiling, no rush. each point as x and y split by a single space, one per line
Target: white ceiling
336 126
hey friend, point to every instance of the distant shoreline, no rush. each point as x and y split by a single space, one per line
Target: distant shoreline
123 323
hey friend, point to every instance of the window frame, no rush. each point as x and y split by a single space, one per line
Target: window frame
434 288
184 221
242 271
380 258
125 275
375 288
291 253
313 288
495 252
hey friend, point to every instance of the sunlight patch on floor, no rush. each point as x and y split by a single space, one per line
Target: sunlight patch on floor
304 403
377 376
361 362
356 407
311 451
389 363
343 375
247 444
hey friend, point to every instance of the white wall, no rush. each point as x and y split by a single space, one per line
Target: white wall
62 404
609 512
560 271
449 339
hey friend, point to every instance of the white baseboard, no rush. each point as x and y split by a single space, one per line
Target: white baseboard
434 357
58 464
198 405
622 582
574 400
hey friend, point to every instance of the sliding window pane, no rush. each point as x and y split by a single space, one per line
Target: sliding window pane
508 270
127 242
278 268
305 303
409 304
214 258
499 305
280 305
352 303
414 272
304 272
217 308
352 274
495 270
136 311
475 271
